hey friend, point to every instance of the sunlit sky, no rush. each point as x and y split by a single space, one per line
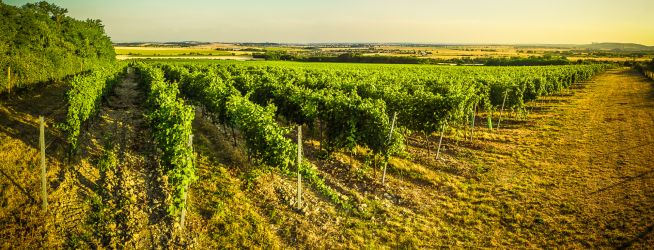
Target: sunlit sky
420 21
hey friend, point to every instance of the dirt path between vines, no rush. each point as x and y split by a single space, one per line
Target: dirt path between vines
131 194
111 194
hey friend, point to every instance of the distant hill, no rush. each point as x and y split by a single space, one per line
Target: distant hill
630 47
161 44
616 46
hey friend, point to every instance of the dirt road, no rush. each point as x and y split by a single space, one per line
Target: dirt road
589 159
609 139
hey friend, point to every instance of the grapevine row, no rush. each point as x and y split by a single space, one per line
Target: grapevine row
266 141
349 120
424 97
171 121
85 95
353 106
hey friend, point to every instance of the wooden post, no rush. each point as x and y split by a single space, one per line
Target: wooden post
233 135
472 129
9 79
224 129
440 141
392 125
390 134
501 110
183 217
374 166
321 135
465 131
427 141
299 165
44 192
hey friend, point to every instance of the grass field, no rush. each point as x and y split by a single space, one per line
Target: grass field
437 52
164 51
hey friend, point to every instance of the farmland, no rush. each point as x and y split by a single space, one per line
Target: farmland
444 53
155 52
166 148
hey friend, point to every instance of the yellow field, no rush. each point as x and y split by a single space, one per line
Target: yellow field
174 51
227 50
474 51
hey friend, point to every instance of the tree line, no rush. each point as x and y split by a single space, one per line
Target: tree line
361 58
40 43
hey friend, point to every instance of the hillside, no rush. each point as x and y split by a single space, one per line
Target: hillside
627 47
549 179
617 46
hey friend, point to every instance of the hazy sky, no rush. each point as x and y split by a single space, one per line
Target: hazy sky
436 21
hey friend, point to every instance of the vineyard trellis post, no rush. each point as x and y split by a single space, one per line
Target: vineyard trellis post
502 110
224 127
44 192
299 165
321 135
183 217
9 79
427 141
390 134
472 129
489 119
440 141
233 134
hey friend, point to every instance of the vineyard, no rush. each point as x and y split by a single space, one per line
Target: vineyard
318 145
344 109
363 122
353 106
347 106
